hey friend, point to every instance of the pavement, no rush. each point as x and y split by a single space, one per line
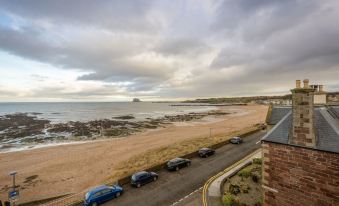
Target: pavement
184 188
212 193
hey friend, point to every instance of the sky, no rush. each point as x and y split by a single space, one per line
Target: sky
84 50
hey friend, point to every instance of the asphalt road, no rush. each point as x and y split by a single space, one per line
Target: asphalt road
172 187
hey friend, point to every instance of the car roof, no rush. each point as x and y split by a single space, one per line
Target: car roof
205 148
236 137
99 188
138 174
176 159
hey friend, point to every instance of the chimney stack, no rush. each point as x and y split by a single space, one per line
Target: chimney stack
302 108
297 84
306 85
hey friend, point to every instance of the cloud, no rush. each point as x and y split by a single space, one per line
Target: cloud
177 49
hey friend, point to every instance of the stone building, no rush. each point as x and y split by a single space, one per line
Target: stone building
301 152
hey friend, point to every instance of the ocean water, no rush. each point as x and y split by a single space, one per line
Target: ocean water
87 111
83 112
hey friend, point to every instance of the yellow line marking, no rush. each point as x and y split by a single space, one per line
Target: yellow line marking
209 181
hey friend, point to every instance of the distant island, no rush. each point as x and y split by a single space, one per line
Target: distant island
136 100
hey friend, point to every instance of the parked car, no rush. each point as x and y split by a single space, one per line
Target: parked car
143 177
205 152
102 194
236 140
177 163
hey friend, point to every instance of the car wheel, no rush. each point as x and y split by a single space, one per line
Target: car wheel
177 168
118 194
138 185
94 204
155 178
238 142
187 164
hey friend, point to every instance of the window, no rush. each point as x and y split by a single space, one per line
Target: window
105 191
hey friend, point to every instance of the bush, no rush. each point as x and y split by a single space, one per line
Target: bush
234 189
255 178
228 199
258 203
246 172
257 161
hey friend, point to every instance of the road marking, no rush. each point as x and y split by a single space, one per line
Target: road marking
182 199
209 181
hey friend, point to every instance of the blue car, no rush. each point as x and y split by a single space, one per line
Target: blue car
102 194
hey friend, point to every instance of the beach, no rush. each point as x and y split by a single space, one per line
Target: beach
71 168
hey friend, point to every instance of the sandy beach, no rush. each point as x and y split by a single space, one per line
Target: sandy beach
52 171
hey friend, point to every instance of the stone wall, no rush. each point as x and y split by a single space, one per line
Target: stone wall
299 176
303 128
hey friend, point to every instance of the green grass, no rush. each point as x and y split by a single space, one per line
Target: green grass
246 172
228 199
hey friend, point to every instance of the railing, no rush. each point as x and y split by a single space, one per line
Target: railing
73 199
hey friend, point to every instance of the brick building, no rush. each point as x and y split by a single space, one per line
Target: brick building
301 152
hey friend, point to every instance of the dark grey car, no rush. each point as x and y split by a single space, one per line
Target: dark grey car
236 140
178 163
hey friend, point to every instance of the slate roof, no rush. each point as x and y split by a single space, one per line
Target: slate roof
326 130
277 114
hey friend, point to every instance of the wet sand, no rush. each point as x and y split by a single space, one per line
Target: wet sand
71 168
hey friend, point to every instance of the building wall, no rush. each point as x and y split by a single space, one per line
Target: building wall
299 176
320 99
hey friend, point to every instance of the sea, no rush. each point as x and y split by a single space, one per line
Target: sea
61 112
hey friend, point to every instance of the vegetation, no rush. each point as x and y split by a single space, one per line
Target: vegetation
160 155
237 99
242 190
246 172
228 199
257 161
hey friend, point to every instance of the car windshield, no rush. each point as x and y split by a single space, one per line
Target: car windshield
173 161
87 196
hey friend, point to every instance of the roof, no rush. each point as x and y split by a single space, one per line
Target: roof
176 159
326 130
140 173
277 114
97 189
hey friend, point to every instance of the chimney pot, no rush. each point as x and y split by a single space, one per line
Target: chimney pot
306 85
297 84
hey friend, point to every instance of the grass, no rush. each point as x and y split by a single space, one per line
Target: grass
257 161
246 172
228 199
250 188
160 155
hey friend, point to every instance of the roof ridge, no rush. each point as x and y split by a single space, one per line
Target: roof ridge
277 125
334 124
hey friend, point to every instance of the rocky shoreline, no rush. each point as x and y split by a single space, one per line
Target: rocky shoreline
26 128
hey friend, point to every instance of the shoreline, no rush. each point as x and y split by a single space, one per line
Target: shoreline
82 132
69 168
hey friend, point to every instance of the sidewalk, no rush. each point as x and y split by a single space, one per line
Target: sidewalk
212 189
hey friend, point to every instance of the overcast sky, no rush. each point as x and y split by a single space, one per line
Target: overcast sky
85 50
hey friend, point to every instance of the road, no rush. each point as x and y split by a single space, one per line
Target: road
175 187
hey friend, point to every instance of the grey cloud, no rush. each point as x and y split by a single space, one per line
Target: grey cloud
181 46
263 44
119 14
